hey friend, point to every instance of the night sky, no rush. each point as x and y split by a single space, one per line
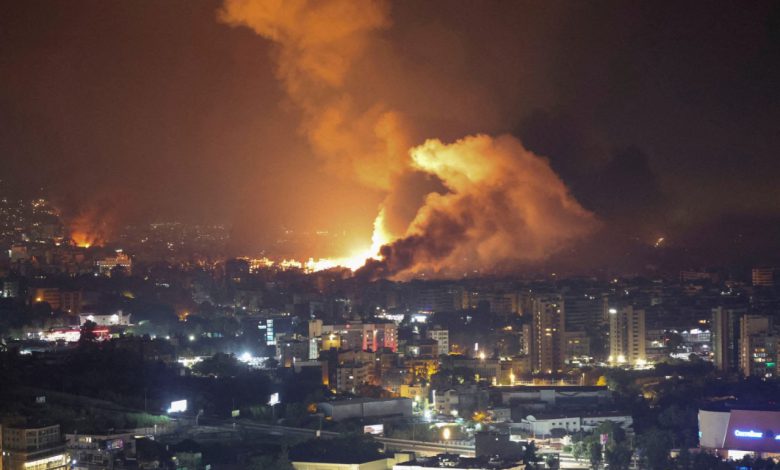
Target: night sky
662 118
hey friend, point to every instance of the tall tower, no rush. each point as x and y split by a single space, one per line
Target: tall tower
627 336
725 338
548 339
755 344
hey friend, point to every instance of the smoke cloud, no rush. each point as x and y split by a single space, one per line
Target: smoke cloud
319 41
503 206
497 204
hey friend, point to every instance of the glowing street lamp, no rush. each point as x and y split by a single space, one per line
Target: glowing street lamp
445 436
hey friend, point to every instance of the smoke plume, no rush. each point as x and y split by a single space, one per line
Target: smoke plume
497 204
318 43
503 206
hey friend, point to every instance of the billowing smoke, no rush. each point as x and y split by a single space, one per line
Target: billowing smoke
498 204
319 41
503 206
94 224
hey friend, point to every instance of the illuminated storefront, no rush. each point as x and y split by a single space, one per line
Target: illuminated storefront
734 432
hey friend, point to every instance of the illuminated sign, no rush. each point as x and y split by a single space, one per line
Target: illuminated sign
375 429
274 399
751 434
178 406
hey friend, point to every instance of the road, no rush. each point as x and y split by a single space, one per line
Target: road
428 448
420 447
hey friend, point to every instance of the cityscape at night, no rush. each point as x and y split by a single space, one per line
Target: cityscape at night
389 235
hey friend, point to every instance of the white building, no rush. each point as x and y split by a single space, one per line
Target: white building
112 319
543 424
442 337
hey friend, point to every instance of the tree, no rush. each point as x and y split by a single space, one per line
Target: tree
88 335
656 445
594 454
530 457
219 365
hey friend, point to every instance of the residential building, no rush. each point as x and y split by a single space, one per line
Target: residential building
547 346
38 448
627 336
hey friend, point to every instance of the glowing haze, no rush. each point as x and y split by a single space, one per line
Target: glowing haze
501 204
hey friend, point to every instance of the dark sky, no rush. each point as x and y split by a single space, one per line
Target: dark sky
662 117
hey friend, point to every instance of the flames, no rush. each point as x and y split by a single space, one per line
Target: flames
93 225
500 205
357 259
84 239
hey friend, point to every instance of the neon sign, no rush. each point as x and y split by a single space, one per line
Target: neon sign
751 434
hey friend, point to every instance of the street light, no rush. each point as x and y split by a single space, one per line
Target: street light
445 436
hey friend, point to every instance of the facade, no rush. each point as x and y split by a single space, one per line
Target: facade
366 408
725 338
756 346
557 396
585 311
627 336
99 451
763 277
362 336
351 375
106 265
33 449
547 348
733 432
543 424
113 319
442 337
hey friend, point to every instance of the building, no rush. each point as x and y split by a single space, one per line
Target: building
547 345
387 463
39 448
366 408
457 462
543 424
585 311
105 266
99 451
110 319
725 338
627 336
290 351
10 289
351 375
442 337
441 298
732 433
50 295
757 347
763 277
557 397
363 336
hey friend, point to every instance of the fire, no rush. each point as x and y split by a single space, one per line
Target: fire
83 239
358 258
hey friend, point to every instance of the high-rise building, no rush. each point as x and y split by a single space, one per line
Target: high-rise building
725 337
627 336
764 277
547 347
585 311
442 337
756 345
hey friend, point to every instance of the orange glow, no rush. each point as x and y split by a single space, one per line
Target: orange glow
359 257
83 239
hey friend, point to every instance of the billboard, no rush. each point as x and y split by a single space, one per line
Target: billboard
178 406
375 429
